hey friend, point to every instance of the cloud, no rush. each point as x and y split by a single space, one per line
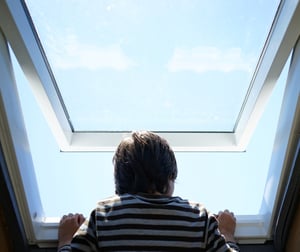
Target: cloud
203 59
75 55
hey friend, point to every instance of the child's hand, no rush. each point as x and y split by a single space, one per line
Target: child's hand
227 224
68 226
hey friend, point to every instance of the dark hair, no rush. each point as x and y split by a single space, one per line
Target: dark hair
144 163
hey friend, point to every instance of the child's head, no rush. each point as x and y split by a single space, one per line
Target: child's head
144 163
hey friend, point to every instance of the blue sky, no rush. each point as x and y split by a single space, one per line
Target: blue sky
157 50
174 64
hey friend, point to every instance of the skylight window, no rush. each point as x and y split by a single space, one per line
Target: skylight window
195 135
215 106
232 140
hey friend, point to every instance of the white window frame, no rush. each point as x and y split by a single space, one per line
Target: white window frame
16 30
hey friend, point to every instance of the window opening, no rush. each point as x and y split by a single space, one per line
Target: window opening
64 177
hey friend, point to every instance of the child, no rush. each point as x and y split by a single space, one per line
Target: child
143 215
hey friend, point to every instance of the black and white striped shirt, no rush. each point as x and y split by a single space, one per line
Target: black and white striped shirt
150 223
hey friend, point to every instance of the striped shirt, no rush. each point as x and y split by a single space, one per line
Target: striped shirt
149 223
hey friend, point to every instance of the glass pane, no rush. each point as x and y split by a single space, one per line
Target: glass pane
167 65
